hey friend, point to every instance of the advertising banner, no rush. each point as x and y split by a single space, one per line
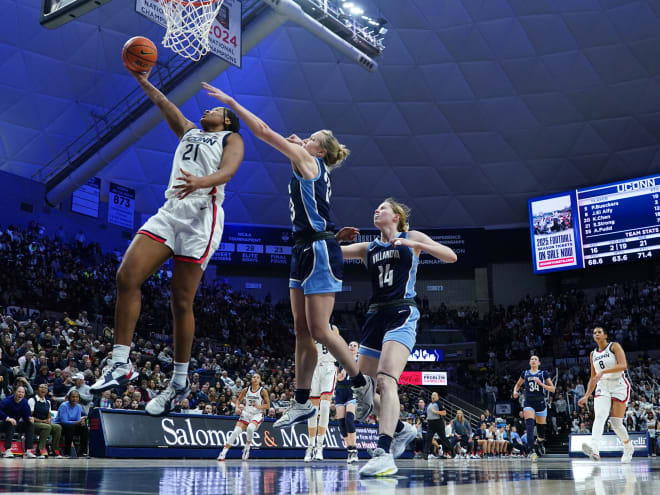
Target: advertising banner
115 432
610 445
429 378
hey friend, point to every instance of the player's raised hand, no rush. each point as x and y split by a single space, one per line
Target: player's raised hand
190 183
295 140
347 234
217 93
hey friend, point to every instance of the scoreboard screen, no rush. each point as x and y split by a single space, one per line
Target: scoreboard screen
596 226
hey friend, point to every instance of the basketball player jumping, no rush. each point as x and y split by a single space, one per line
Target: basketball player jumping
256 402
316 262
389 332
188 227
608 366
323 386
535 410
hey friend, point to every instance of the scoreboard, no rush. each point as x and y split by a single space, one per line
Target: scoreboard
596 226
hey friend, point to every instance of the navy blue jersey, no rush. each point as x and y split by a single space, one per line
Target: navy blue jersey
393 270
309 202
532 390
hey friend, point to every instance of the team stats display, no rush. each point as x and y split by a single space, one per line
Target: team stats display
596 226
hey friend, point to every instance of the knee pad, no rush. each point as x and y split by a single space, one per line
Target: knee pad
251 428
342 427
324 415
350 422
619 429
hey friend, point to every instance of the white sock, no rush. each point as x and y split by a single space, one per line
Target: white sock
619 429
120 353
180 375
319 440
234 435
602 406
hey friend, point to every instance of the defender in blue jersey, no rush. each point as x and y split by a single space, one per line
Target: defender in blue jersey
316 264
389 332
534 382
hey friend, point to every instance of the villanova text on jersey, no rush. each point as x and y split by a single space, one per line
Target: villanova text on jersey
309 201
393 270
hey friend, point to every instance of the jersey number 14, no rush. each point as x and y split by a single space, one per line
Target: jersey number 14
385 276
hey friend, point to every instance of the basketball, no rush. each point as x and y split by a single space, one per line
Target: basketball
139 54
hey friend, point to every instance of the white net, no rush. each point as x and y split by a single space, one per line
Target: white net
189 25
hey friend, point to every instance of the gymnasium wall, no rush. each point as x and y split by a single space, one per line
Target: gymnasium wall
23 202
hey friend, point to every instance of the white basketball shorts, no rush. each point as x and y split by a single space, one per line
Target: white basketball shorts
618 390
323 381
191 228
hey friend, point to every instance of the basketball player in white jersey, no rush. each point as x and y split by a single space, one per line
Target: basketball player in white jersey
188 228
323 386
608 364
256 402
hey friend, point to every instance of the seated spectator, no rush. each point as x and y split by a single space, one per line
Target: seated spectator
271 413
208 409
16 417
106 399
85 394
42 377
118 403
43 425
70 416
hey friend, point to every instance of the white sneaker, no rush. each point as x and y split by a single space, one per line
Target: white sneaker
381 464
628 451
296 413
364 398
318 454
352 457
246 453
115 375
223 454
165 401
8 454
590 452
309 454
29 455
431 457
401 440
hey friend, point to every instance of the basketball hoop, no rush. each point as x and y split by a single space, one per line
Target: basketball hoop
189 25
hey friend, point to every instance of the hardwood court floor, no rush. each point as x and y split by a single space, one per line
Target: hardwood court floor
204 477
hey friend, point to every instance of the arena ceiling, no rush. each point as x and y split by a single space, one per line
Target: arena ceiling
477 105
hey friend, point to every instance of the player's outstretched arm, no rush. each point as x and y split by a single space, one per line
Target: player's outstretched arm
419 241
301 160
173 116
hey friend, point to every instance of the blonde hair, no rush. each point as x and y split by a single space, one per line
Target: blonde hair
335 152
403 211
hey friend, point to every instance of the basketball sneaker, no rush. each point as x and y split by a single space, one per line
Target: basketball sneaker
309 454
352 456
164 402
364 397
8 454
402 439
534 456
318 454
115 375
246 453
590 452
296 413
381 464
628 451
223 454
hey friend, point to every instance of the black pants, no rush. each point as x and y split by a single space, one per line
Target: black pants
68 430
20 427
436 426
